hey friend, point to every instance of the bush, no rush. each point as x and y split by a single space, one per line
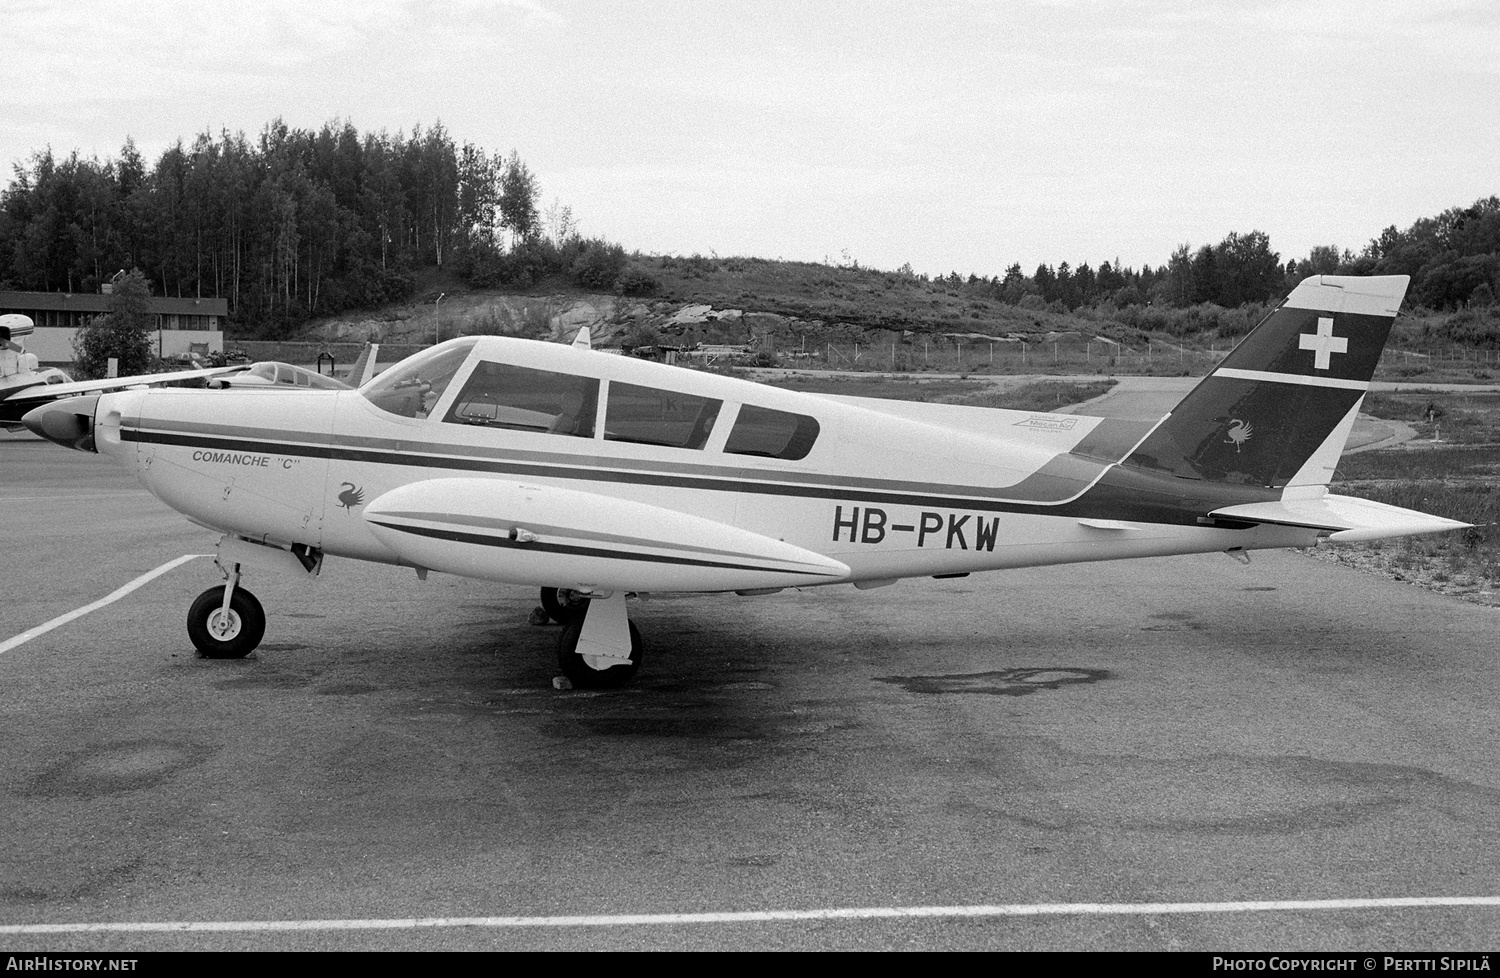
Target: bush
123 333
635 280
599 266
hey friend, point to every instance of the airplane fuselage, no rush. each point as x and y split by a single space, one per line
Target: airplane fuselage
877 495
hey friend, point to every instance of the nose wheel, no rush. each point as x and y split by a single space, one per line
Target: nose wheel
221 632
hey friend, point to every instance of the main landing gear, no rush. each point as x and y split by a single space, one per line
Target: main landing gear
600 647
226 622
563 605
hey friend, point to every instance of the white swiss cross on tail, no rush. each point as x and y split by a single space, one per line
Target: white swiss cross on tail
1323 343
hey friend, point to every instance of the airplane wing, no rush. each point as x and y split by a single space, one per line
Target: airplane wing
1344 518
51 392
507 531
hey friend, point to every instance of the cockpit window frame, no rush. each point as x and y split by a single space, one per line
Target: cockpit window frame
412 366
706 417
553 386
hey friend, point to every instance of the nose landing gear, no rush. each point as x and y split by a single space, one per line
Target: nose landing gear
223 629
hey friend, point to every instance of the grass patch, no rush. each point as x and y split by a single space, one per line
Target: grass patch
1463 419
1422 463
1456 479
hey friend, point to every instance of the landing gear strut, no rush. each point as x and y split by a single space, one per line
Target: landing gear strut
601 649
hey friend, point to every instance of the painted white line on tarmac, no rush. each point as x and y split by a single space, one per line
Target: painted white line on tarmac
763 916
113 596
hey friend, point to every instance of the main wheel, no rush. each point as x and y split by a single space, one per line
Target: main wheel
584 675
564 606
220 635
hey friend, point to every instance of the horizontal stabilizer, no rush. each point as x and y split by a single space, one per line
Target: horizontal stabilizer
1344 518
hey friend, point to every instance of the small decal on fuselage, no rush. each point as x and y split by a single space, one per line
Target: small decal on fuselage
1051 422
244 458
934 529
352 496
233 458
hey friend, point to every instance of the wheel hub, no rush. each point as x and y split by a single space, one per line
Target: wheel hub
224 625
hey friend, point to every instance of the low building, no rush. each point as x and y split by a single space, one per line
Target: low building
182 325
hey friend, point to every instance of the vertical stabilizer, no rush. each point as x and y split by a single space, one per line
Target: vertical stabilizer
1278 410
363 368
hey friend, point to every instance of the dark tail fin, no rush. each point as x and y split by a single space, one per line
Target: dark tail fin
1278 410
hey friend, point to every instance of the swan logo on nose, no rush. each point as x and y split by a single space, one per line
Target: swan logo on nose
351 497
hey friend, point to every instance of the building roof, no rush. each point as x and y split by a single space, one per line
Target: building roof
92 302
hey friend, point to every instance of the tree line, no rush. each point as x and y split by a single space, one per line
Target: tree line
292 224
1453 260
300 223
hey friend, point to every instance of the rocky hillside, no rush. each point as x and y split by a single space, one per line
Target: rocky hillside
616 320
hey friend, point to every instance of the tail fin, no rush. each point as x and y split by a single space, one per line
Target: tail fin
363 368
13 325
1278 410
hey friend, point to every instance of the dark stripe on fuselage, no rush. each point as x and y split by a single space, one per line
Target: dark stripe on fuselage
1040 486
505 543
1167 499
1086 470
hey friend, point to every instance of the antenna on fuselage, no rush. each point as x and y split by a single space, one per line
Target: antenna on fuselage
582 341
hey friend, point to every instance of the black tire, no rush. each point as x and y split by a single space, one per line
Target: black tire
564 606
584 676
233 639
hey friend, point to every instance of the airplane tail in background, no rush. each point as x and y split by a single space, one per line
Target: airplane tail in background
363 368
1278 410
13 326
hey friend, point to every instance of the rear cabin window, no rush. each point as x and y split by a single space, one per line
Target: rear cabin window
648 416
500 395
771 434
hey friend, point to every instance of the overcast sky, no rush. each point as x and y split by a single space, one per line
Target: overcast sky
952 134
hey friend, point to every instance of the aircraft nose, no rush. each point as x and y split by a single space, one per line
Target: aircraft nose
69 422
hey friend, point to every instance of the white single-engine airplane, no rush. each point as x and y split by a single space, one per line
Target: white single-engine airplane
532 463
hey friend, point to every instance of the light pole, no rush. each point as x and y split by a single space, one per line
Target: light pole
437 323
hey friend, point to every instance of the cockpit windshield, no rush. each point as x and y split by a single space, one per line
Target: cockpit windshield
414 385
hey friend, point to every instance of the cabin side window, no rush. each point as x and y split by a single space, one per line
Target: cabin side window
500 395
771 434
650 416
